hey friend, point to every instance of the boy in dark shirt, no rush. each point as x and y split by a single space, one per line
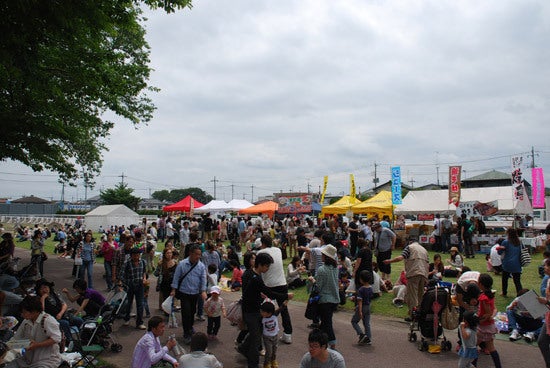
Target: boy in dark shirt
89 300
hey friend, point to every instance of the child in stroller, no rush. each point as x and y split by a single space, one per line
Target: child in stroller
427 317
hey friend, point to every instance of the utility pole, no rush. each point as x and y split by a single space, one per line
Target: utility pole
437 166
375 180
232 190
252 198
308 187
215 181
122 179
533 157
412 181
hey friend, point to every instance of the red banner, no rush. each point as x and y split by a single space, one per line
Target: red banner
538 187
454 184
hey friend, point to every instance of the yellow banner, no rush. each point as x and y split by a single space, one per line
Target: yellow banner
352 187
325 182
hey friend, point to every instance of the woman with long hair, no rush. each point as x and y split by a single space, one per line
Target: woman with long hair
511 247
86 251
165 273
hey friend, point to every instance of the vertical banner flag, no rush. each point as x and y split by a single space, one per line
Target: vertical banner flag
538 187
454 184
517 177
396 185
351 187
191 207
325 182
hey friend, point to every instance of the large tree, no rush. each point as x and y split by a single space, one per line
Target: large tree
120 194
64 64
176 195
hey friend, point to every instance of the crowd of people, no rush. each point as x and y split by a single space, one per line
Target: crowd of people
343 261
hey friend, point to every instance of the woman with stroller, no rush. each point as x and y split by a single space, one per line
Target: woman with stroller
54 306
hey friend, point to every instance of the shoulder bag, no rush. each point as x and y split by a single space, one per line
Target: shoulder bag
450 316
179 294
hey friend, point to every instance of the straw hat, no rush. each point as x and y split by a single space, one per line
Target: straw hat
454 249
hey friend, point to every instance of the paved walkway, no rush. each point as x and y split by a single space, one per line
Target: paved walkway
390 346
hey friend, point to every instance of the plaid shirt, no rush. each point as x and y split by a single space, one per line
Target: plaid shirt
133 275
119 259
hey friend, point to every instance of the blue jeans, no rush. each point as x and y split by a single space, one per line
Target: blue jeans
65 325
88 267
523 323
366 321
135 292
108 273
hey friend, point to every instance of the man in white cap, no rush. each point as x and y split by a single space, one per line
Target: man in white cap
275 280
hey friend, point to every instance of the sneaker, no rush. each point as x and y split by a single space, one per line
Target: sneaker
201 318
141 327
529 336
361 337
147 316
262 352
365 340
286 338
126 323
514 335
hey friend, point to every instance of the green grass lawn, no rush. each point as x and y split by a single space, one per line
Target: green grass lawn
383 305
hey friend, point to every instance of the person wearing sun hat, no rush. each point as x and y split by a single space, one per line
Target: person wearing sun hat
326 280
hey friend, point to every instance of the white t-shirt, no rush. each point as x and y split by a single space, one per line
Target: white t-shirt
275 275
496 259
270 326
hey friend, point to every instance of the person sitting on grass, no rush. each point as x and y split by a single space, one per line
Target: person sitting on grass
236 275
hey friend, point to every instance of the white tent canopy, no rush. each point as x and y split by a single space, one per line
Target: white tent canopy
105 216
437 201
214 206
239 204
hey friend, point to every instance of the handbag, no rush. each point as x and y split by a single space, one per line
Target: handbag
450 316
78 261
44 256
524 257
312 307
235 312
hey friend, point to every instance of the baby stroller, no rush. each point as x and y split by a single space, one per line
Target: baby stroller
98 331
427 317
117 300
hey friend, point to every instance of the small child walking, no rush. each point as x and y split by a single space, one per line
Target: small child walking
214 308
487 329
363 298
468 337
270 332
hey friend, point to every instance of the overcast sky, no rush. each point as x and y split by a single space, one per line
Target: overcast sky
269 96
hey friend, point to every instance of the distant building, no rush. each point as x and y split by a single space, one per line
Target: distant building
31 200
151 204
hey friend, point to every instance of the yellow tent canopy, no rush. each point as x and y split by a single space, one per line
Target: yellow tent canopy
340 207
380 204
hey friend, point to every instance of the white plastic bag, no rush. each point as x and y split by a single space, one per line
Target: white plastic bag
167 304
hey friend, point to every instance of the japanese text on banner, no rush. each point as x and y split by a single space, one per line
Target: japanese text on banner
396 185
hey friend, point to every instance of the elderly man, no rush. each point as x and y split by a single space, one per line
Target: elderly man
417 269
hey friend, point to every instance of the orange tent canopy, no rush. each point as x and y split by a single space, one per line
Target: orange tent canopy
184 205
268 208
